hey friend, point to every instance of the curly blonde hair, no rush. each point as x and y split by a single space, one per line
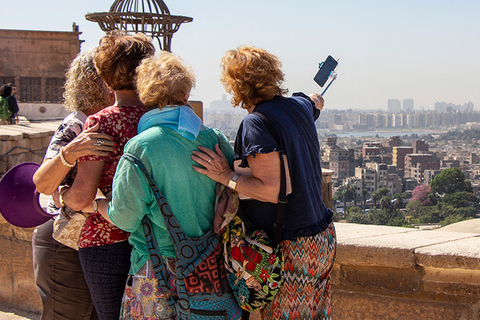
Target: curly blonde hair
251 75
118 55
164 80
84 89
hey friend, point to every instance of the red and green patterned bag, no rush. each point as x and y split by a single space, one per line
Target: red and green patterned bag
254 265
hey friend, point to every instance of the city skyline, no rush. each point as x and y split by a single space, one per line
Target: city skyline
425 51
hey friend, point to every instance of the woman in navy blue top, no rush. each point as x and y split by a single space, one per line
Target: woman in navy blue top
254 79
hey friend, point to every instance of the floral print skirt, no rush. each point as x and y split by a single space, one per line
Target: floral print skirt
143 299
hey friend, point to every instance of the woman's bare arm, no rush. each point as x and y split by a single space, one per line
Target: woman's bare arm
52 171
84 187
264 185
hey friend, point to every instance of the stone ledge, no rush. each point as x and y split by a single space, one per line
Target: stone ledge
396 273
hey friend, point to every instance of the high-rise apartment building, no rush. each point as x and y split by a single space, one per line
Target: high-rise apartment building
408 105
394 105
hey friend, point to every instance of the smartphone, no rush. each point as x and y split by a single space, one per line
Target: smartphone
325 70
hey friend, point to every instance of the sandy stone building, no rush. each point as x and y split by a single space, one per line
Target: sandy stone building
36 62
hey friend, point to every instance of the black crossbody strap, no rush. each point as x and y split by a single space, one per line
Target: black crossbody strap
282 196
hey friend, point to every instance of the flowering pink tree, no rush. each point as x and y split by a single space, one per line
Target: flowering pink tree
421 193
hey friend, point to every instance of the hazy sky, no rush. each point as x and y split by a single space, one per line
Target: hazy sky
425 50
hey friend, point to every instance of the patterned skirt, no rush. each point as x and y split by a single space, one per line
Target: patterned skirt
143 300
305 292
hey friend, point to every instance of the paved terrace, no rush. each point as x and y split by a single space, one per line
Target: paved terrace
380 272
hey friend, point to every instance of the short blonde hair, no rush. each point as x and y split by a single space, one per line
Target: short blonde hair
118 55
84 89
251 75
164 80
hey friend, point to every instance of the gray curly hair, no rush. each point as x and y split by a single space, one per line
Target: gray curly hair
84 89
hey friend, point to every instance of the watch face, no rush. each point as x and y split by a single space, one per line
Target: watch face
95 206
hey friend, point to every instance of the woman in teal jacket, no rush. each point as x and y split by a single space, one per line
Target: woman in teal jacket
166 136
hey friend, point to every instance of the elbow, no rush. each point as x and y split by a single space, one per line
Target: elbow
79 202
42 187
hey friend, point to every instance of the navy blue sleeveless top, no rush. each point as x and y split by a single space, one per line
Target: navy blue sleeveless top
294 118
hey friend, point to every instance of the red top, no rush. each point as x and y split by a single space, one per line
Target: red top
120 123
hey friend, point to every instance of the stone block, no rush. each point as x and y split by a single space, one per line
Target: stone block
363 255
363 306
5 146
454 282
6 278
462 253
36 143
393 280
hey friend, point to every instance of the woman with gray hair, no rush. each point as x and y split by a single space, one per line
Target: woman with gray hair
58 274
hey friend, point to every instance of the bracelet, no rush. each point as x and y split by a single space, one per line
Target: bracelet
62 190
64 162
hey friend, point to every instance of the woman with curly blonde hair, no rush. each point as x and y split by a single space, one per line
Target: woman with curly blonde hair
254 78
104 251
58 274
166 135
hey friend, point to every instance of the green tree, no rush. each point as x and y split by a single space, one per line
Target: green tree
460 199
385 202
364 195
358 217
398 201
353 188
344 194
375 197
449 181
383 192
413 207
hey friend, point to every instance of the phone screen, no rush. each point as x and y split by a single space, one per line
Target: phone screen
325 70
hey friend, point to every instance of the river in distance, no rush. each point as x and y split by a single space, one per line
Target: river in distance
383 134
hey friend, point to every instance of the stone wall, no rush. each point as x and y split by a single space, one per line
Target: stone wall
24 142
380 272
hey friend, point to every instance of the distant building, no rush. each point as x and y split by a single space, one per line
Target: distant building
394 105
408 105
36 62
416 164
399 154
420 146
219 105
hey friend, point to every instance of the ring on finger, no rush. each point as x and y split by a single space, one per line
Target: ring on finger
210 159
99 143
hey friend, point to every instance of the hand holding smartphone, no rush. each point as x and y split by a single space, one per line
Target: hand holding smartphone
326 70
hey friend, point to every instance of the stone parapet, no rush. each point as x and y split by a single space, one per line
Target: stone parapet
397 273
24 142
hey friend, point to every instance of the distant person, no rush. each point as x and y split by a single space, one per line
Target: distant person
104 250
57 270
7 91
254 79
13 104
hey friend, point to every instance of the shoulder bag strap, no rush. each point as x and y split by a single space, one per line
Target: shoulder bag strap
159 265
282 196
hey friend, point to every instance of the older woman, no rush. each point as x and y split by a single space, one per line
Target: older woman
167 134
254 79
104 250
57 269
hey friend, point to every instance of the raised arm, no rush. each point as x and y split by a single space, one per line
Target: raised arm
53 171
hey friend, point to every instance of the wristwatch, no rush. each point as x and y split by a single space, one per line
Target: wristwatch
232 184
95 204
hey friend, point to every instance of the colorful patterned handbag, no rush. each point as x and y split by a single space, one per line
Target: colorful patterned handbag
253 261
202 288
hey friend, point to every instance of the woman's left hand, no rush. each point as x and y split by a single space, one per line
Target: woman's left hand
318 100
215 164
